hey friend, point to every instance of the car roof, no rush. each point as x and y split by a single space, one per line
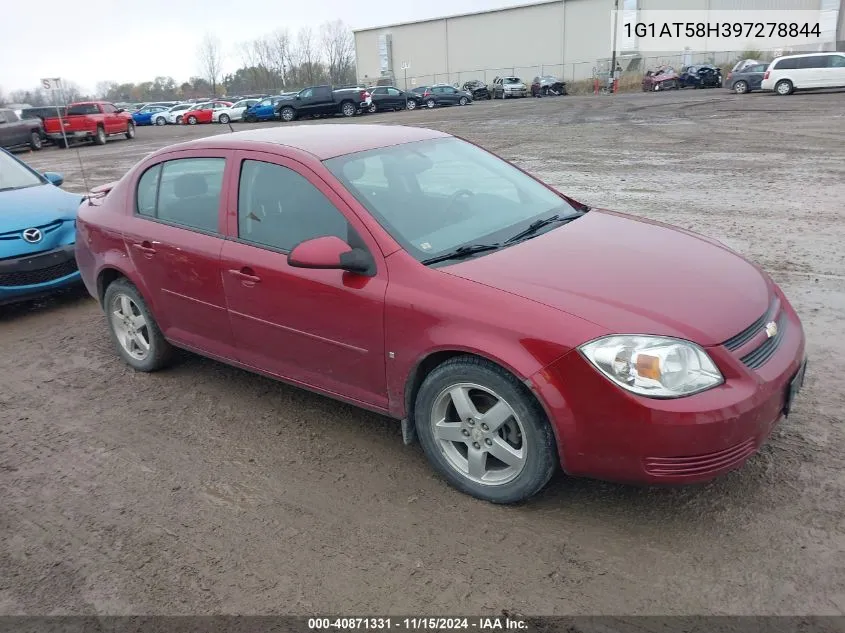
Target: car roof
321 141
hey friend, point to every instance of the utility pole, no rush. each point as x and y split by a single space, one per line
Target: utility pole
612 75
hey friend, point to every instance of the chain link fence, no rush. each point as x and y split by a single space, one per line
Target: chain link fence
572 73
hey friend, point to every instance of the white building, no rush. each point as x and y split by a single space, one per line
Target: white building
568 38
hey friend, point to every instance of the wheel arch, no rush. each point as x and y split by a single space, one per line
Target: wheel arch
433 359
112 271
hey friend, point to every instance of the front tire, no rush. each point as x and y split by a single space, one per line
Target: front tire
484 432
35 142
224 119
412 105
741 87
373 108
161 120
100 138
463 101
430 103
348 109
130 130
192 120
287 114
134 332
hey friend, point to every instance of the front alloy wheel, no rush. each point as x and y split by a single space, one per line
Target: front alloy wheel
484 431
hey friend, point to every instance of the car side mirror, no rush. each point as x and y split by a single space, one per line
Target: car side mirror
119 110
330 252
54 178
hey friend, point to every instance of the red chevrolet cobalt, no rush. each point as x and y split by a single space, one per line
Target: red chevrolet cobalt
509 327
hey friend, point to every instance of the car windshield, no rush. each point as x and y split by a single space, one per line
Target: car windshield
13 175
511 80
436 195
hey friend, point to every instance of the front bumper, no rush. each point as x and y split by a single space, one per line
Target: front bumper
605 432
30 276
516 92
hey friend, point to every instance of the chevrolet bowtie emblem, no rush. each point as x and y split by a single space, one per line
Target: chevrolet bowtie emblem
771 329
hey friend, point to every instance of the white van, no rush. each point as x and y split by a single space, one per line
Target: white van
812 70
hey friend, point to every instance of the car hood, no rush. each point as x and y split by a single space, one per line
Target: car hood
630 276
34 206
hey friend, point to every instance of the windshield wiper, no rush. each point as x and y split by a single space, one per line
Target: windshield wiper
462 251
537 225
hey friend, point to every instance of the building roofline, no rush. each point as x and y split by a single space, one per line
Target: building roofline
511 7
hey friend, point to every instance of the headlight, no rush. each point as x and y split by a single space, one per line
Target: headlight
653 366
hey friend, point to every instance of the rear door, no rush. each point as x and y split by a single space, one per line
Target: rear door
323 100
112 122
755 75
380 97
174 239
321 328
833 74
395 98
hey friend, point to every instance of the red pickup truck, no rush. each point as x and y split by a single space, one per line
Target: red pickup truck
89 121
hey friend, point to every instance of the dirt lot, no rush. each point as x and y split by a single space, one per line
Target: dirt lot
207 489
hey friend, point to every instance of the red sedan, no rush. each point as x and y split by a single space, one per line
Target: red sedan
203 112
512 329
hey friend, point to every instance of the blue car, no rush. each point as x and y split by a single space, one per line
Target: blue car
144 116
264 110
37 232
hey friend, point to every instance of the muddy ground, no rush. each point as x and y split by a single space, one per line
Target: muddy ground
205 489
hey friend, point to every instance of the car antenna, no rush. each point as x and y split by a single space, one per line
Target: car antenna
84 176
229 123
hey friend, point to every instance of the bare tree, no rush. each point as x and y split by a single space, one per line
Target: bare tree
105 89
308 55
210 60
339 51
278 48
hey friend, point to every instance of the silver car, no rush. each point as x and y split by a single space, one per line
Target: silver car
504 87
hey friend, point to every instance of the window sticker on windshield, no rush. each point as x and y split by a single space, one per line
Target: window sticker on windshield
425 246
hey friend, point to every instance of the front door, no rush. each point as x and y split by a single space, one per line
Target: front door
319 328
174 239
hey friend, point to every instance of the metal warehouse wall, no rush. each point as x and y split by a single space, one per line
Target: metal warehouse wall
561 37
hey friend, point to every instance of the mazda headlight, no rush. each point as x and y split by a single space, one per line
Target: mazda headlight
654 366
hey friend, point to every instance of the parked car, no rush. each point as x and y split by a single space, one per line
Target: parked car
145 115
234 113
506 87
90 121
416 274
37 232
203 112
324 100
445 95
174 114
548 85
18 108
700 76
747 79
16 132
264 110
789 73
662 78
478 89
392 98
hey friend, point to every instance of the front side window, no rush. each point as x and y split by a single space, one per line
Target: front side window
184 191
435 195
279 208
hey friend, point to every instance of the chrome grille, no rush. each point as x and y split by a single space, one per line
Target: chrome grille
759 356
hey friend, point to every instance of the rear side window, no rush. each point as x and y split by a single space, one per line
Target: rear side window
836 61
184 191
83 108
816 61
786 64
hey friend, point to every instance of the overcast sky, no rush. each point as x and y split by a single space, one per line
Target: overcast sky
124 40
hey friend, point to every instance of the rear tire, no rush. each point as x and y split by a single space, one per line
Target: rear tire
373 108
741 87
130 130
287 114
412 105
224 119
347 109
463 101
524 437
160 121
430 103
784 87
127 330
192 120
100 138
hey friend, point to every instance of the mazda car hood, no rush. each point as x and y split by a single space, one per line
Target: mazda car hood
35 206
630 276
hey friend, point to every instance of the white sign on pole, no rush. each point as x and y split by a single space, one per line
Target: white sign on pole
406 65
51 83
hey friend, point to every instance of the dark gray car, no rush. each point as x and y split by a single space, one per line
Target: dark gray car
17 132
746 79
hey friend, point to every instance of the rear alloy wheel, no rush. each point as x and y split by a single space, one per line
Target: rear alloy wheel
35 141
430 103
130 130
100 139
348 108
373 108
741 87
179 120
224 119
192 120
463 101
160 120
484 432
134 332
783 87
